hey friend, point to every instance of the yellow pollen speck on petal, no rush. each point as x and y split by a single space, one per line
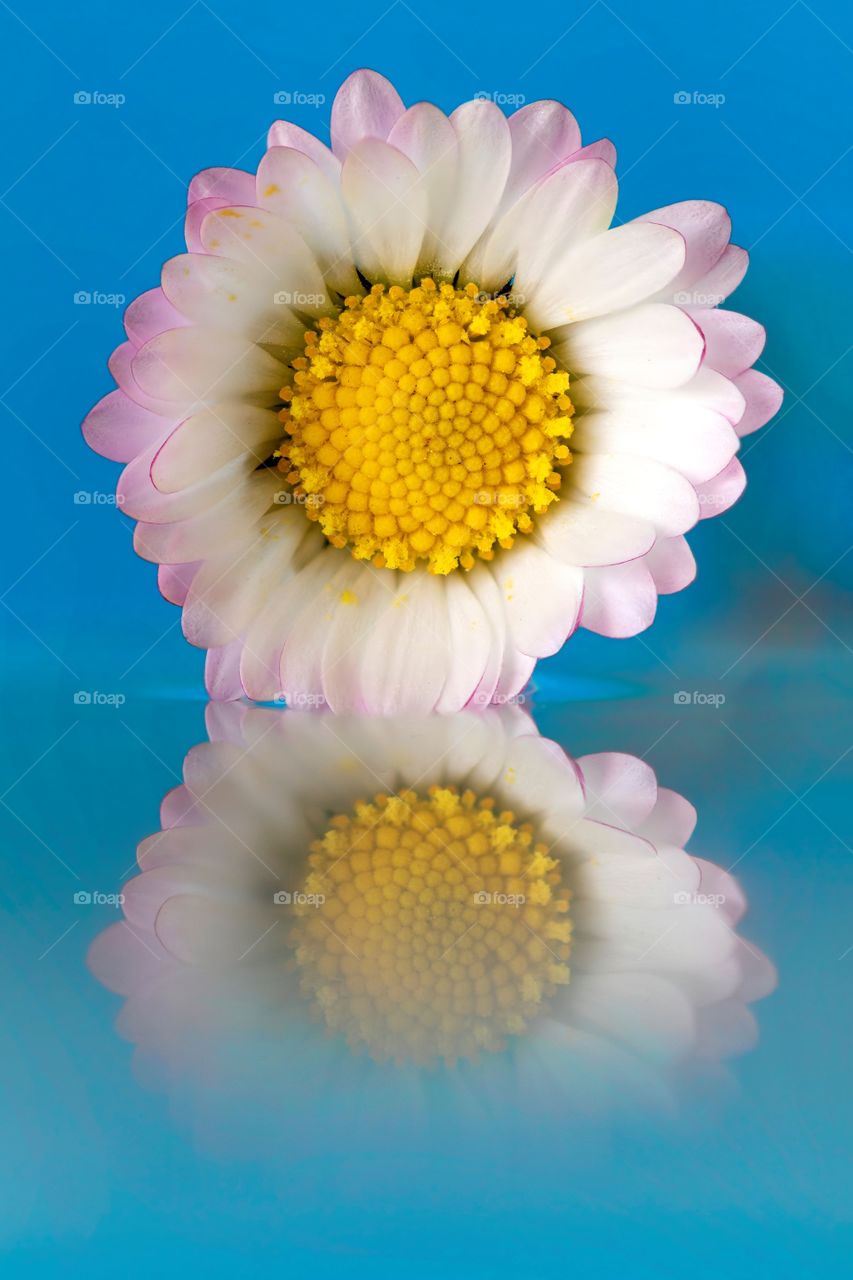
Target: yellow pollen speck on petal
348 597
431 926
427 426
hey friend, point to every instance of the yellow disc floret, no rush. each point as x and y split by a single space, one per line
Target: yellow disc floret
441 927
426 425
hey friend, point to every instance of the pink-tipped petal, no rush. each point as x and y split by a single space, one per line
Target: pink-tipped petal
763 399
366 106
232 186
118 428
174 580
671 564
717 495
222 672
620 600
732 342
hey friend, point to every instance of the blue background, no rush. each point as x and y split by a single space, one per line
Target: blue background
93 200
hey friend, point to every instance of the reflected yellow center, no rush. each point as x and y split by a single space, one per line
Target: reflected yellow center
442 926
425 426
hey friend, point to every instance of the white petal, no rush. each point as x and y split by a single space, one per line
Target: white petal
651 346
469 643
405 649
425 135
273 248
587 534
573 205
542 598
294 186
387 207
696 443
228 591
485 150
284 134
228 523
638 487
619 788
197 366
617 269
211 439
223 294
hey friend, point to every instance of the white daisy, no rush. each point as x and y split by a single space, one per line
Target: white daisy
431 890
410 409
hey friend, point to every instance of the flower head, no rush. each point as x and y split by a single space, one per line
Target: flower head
427 892
410 409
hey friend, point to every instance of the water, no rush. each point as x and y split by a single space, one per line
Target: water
239 1134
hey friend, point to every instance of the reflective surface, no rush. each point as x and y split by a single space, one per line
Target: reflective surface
641 1092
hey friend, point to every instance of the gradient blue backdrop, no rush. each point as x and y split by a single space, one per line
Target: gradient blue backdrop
93 198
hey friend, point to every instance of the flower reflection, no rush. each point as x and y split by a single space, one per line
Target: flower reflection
356 896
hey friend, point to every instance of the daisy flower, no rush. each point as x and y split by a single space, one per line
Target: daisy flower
410 410
430 890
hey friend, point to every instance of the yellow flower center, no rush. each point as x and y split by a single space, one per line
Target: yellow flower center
441 926
425 426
